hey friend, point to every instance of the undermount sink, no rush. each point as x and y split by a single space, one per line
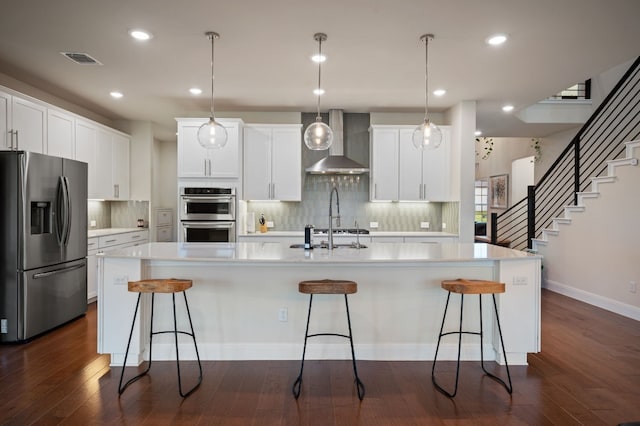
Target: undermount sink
326 246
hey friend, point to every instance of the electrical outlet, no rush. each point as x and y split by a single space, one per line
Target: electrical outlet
283 315
373 225
444 225
121 280
632 287
519 280
269 224
424 225
93 224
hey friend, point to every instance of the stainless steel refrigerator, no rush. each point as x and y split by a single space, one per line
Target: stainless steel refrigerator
43 246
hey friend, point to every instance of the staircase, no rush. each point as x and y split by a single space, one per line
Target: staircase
558 222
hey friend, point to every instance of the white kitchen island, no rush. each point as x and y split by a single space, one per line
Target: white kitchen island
245 302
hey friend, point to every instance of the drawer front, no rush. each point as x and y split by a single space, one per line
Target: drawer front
93 243
163 234
137 237
126 238
164 217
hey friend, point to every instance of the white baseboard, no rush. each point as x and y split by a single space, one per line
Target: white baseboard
614 306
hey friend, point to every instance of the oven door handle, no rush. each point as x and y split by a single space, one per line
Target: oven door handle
207 198
201 225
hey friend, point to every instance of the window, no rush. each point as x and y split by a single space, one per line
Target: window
481 200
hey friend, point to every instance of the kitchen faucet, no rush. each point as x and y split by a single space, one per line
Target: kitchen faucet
331 216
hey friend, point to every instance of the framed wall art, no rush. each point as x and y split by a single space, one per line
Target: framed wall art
498 191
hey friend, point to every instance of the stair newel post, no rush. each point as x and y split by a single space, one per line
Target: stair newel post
576 170
531 215
494 228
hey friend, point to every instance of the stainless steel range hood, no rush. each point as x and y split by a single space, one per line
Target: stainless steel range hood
336 162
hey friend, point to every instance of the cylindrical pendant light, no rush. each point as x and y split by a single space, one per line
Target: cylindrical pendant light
318 136
212 134
427 135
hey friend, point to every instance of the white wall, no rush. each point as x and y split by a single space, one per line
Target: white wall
522 177
596 257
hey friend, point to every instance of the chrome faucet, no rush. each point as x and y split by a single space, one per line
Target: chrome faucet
331 216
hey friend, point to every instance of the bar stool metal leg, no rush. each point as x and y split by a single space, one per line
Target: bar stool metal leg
509 388
298 383
435 358
121 388
359 384
193 335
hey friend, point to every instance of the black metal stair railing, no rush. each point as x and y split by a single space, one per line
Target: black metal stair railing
615 121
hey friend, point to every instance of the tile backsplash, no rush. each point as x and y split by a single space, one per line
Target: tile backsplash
117 214
354 205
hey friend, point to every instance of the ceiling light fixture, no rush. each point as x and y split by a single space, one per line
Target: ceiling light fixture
318 136
116 95
507 108
139 34
439 92
195 91
478 132
212 134
496 39
427 135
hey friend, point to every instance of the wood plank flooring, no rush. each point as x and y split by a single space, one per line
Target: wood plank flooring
588 373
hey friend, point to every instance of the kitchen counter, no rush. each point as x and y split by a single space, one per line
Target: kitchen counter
370 234
245 302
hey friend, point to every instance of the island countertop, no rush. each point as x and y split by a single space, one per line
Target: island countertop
247 252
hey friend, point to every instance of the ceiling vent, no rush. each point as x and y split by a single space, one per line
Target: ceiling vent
81 58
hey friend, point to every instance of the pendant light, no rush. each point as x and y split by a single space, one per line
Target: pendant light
318 136
212 134
427 135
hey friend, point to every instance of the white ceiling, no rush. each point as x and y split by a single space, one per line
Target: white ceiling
375 58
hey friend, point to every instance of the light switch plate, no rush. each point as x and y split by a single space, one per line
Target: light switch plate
269 224
424 225
444 226
373 225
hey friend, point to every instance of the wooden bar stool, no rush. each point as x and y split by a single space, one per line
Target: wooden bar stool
154 286
479 287
328 287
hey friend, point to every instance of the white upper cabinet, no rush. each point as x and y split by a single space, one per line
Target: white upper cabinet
272 162
22 123
400 172
107 154
383 175
425 175
194 161
60 134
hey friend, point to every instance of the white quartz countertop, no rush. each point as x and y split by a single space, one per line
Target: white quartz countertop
278 253
112 231
370 234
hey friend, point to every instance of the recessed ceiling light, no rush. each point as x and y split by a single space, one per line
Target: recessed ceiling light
318 58
318 92
439 92
507 108
195 91
496 39
139 34
116 95
478 132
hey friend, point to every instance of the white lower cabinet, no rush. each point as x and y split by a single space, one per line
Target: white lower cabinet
106 243
164 225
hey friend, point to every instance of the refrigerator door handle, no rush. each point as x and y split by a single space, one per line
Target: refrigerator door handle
67 216
58 271
62 211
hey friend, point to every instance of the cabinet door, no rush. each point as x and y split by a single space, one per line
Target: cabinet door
384 164
60 134
5 122
28 120
225 162
410 171
120 166
436 171
192 157
104 170
92 274
85 150
257 163
286 164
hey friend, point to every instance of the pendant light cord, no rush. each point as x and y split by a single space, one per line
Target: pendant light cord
212 37
319 73
426 75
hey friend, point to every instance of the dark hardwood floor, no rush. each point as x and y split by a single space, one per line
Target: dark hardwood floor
587 373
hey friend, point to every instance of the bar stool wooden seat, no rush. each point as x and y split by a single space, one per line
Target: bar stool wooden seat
479 287
169 286
328 287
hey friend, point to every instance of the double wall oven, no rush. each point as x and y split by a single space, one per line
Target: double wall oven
207 215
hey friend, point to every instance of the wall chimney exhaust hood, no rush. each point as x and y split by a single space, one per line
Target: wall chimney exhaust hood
336 163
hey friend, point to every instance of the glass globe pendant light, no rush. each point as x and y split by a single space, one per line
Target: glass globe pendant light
212 134
318 135
427 135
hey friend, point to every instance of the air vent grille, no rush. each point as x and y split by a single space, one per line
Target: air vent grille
81 58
